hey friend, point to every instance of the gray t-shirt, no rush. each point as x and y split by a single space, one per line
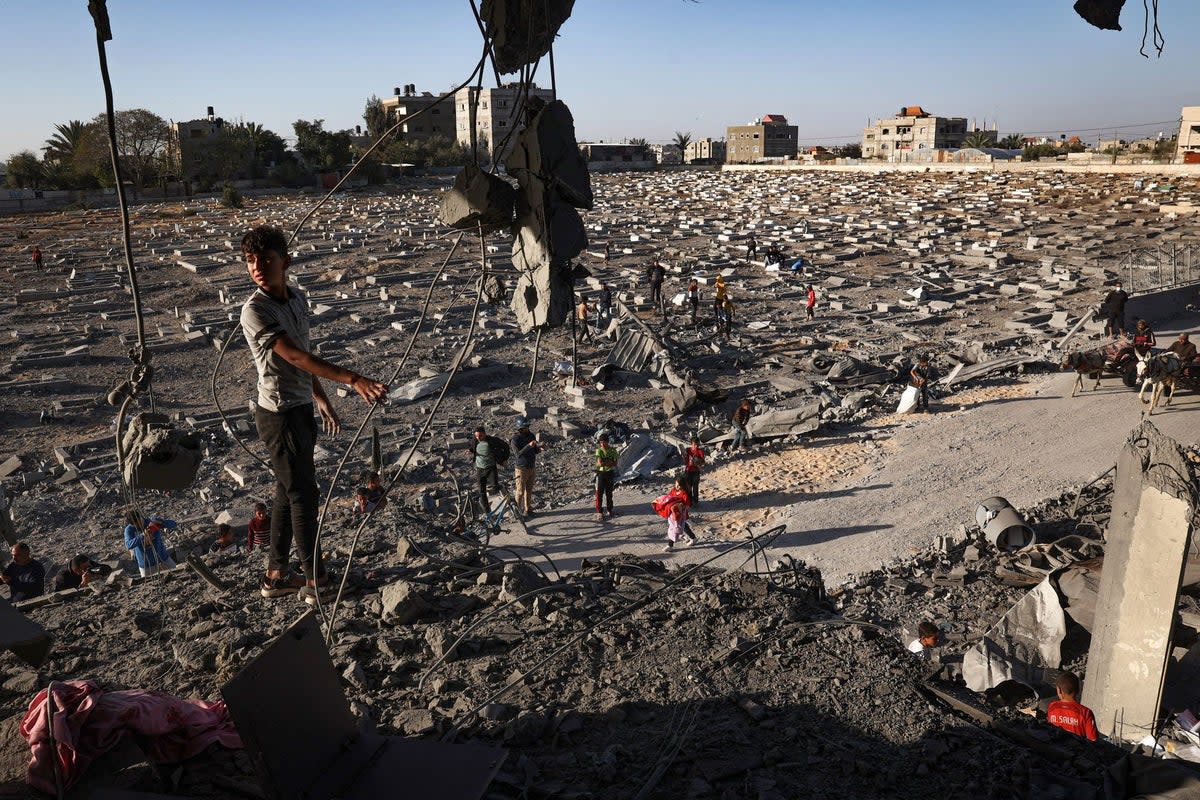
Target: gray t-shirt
264 319
483 455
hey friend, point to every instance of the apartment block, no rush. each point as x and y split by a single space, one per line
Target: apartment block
705 151
912 129
768 137
1188 147
495 118
438 119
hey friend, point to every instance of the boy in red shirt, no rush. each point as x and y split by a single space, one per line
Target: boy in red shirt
1067 713
693 460
258 529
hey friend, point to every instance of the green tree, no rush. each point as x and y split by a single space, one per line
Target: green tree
321 149
1164 149
143 139
62 146
682 140
638 142
1013 141
376 117
851 150
269 147
979 139
24 170
1034 152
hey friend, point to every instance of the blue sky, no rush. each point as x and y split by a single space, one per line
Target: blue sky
626 67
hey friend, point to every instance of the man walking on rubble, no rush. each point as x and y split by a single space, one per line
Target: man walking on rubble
489 453
581 318
1114 304
275 323
604 306
525 447
741 418
752 248
657 274
918 377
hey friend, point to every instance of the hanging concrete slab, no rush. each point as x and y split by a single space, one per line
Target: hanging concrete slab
522 30
1146 544
316 749
1022 645
23 637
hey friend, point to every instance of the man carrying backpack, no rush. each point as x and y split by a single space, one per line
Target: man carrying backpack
490 452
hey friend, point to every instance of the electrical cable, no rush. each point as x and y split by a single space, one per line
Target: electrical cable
237 322
141 374
467 344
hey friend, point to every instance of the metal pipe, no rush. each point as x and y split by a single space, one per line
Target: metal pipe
1003 525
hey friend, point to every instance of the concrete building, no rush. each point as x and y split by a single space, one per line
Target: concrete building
494 117
608 157
705 151
914 128
1187 150
439 120
205 153
666 153
768 137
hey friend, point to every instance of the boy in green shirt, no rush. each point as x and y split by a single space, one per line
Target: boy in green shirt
606 476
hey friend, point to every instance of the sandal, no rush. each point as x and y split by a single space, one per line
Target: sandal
278 587
325 592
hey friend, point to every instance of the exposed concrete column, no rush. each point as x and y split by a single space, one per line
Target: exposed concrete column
1145 548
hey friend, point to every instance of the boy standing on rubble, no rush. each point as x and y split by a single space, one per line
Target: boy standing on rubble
1067 712
918 377
275 323
741 417
693 460
606 477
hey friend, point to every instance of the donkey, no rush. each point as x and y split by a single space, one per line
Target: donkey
1157 372
1089 362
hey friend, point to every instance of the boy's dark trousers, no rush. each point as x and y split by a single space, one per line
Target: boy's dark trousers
291 436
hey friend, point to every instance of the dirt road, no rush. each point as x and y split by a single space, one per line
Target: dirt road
893 497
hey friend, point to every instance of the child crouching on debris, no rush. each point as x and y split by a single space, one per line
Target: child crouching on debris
143 539
1067 712
929 636
224 545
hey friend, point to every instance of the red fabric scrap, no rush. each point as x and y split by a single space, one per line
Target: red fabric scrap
89 721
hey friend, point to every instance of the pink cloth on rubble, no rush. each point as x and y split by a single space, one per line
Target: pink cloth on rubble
89 721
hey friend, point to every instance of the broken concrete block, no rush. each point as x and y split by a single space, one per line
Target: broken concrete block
1026 641
157 455
1146 545
402 603
237 473
478 198
10 465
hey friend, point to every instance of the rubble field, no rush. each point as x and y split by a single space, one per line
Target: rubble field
761 682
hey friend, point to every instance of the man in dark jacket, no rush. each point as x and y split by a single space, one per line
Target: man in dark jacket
25 577
525 448
1114 303
489 453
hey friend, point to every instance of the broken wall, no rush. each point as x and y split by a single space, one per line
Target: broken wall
1146 543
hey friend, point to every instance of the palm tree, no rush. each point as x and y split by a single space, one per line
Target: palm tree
682 140
638 142
62 146
979 139
1014 141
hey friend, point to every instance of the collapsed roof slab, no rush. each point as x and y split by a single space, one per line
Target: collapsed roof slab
1145 547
